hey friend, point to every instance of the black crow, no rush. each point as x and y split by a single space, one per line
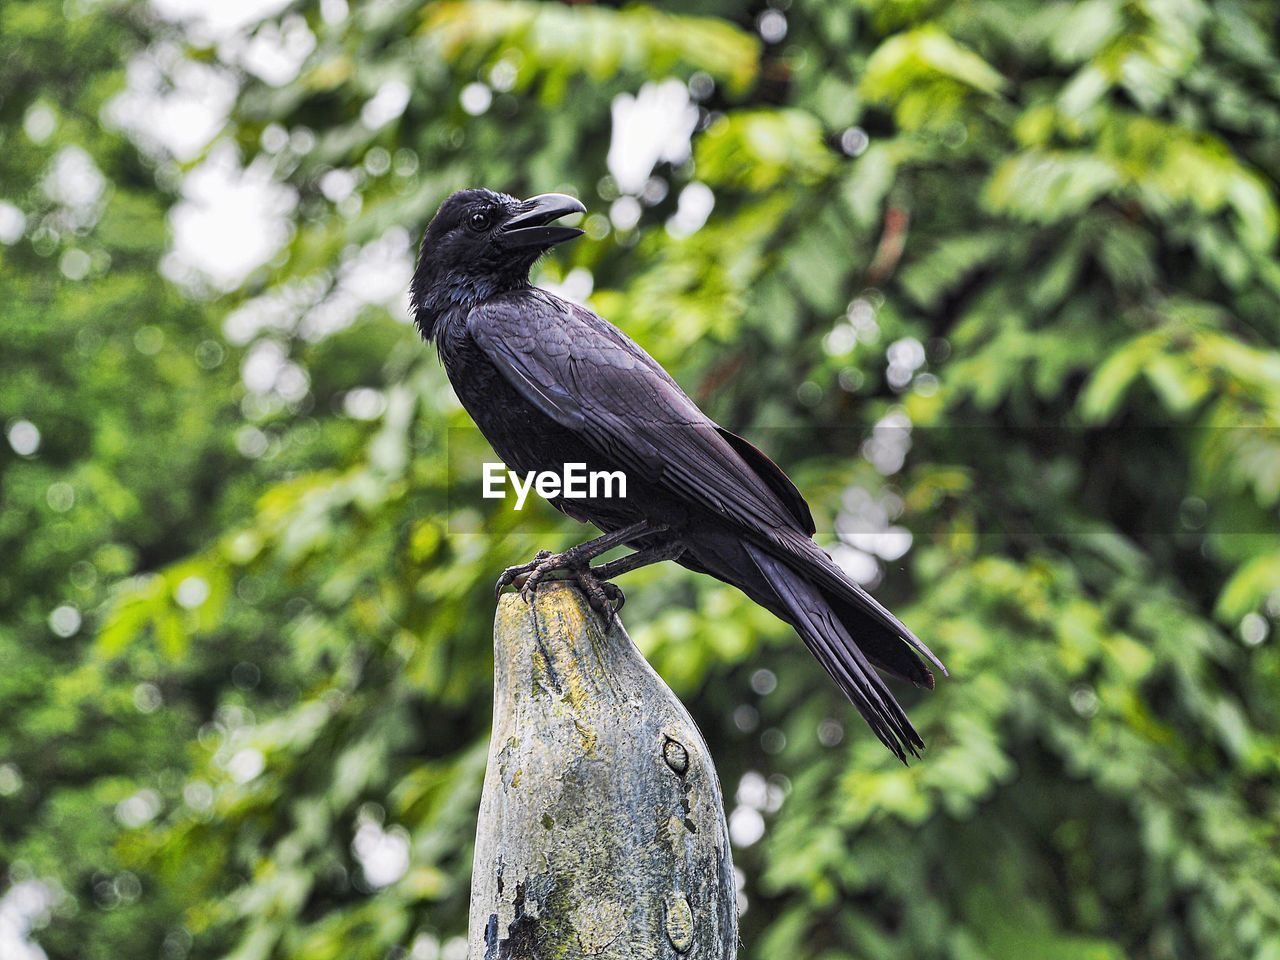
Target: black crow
548 383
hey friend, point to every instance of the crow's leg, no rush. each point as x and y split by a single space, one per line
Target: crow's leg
573 558
600 576
641 558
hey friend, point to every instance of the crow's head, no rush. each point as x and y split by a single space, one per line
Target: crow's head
480 243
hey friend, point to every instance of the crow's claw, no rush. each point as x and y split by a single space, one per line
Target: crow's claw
617 598
512 574
544 563
605 598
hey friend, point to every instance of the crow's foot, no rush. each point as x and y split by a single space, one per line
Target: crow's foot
529 576
575 558
523 570
605 598
549 564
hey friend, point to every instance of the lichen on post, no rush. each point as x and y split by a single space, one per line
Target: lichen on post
602 830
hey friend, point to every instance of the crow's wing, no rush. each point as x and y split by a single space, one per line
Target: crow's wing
773 475
588 376
591 378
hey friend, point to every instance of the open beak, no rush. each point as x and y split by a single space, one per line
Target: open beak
529 227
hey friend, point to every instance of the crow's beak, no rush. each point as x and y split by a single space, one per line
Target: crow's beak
528 227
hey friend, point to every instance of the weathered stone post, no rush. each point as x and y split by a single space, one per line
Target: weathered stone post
602 830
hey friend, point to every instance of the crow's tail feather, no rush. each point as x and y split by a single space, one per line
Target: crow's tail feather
883 646
883 638
829 641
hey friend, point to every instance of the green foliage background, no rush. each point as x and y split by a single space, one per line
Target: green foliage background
1061 217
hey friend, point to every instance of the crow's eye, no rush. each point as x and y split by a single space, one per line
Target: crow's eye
478 221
